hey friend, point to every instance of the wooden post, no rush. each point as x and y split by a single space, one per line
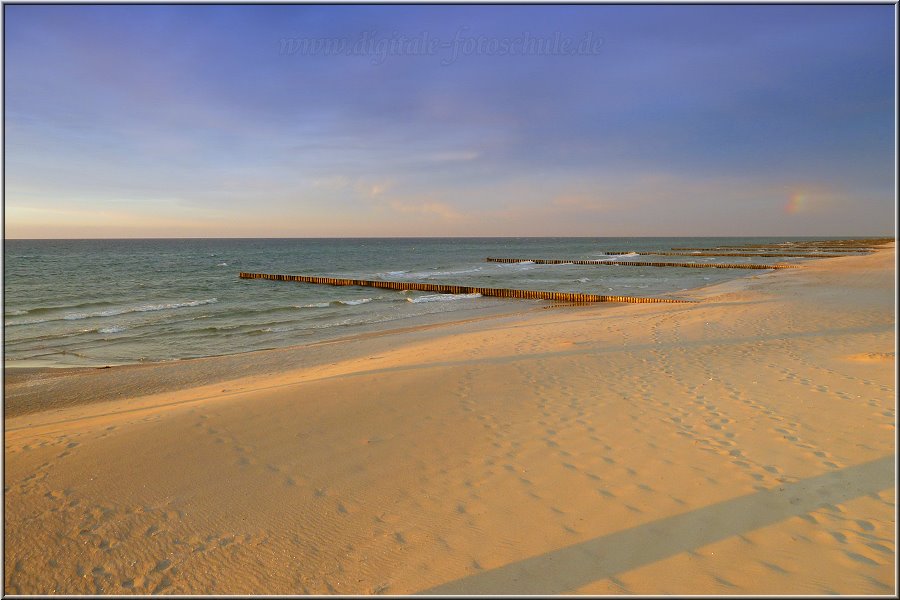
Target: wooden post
454 289
623 263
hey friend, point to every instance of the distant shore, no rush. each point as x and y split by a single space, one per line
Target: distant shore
741 445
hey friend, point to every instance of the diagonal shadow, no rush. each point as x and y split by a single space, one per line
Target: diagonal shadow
564 570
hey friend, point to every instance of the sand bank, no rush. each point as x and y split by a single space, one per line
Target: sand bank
741 445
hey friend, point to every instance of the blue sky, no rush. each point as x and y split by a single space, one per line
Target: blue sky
200 121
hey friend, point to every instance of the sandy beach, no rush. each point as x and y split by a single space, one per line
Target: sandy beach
744 444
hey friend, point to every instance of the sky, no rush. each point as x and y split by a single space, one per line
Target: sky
393 120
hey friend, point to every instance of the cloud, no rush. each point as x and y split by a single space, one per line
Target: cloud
377 189
641 138
427 208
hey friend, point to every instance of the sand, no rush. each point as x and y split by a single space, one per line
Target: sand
741 445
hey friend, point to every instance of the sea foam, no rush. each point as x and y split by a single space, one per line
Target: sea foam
137 309
111 330
442 298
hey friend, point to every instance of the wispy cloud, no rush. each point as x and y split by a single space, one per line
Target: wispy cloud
427 208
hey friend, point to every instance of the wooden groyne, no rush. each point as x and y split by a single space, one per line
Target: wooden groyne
831 245
809 253
464 289
714 253
631 263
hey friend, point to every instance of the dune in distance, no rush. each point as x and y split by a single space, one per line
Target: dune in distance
744 444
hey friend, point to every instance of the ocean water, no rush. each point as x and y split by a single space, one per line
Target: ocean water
99 302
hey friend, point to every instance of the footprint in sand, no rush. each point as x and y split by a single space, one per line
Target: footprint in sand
162 565
861 559
871 357
879 548
865 525
840 537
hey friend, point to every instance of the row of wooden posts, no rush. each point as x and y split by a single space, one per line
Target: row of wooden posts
772 248
464 289
630 263
711 253
531 294
573 296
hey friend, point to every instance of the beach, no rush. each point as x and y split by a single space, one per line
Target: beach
744 444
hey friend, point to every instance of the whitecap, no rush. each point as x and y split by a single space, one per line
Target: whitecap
354 302
144 308
428 274
443 298
30 322
314 305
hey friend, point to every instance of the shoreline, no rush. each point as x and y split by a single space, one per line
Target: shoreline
427 320
741 445
216 369
96 344
400 324
18 376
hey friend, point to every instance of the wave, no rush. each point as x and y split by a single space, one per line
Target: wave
524 265
442 298
335 303
50 337
145 308
46 309
218 328
111 330
314 305
425 274
222 264
353 302
621 256
116 312
295 331
613 257
583 280
15 313
29 322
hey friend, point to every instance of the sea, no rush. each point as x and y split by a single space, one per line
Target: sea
109 302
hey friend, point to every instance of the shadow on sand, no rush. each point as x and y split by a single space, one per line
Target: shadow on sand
565 570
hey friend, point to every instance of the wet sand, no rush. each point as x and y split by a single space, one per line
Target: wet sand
742 445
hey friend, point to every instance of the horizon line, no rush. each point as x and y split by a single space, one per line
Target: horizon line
437 237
